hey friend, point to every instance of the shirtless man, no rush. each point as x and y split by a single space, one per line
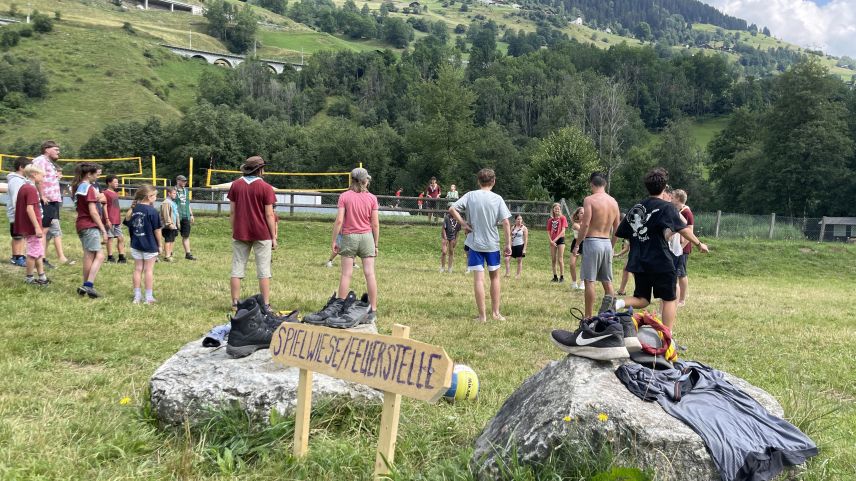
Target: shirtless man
599 221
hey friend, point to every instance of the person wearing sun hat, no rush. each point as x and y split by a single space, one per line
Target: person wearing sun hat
254 226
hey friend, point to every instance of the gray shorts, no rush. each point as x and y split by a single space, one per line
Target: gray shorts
597 261
54 230
115 231
90 239
241 255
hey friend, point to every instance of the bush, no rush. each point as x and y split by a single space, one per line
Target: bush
42 23
9 39
25 31
15 100
129 28
57 15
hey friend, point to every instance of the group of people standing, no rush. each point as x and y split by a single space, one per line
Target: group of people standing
35 204
658 230
657 234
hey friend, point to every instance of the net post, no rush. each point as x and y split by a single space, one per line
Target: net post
190 179
154 170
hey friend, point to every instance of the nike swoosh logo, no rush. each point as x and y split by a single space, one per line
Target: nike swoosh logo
582 341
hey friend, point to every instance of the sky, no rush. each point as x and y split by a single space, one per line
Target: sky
826 24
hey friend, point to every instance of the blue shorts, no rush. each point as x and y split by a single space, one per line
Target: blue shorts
476 260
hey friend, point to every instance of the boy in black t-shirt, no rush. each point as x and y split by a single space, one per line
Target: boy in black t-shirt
648 226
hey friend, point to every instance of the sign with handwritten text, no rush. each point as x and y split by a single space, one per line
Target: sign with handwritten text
393 364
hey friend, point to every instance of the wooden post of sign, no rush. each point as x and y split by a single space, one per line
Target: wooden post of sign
389 420
301 415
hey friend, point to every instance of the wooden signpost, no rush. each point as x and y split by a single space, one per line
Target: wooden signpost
396 365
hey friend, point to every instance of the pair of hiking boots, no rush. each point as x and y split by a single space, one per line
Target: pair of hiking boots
253 325
343 313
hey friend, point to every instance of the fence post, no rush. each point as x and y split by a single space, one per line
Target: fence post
219 209
822 229
772 224
291 204
718 218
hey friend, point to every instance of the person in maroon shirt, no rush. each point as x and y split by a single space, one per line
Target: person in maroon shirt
679 200
89 227
28 223
432 191
112 220
254 226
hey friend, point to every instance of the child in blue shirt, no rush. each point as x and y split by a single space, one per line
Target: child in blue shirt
144 224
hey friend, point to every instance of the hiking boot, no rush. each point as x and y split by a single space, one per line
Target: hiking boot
111 259
249 332
596 338
354 312
189 257
631 341
271 317
332 308
88 291
607 304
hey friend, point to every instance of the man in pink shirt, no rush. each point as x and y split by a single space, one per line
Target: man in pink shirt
51 195
254 226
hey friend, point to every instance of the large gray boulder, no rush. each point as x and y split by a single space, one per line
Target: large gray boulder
581 404
197 379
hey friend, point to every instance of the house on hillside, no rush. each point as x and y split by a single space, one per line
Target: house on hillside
578 21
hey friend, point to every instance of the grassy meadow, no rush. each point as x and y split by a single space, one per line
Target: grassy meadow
775 313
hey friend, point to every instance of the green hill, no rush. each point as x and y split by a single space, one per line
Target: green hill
101 72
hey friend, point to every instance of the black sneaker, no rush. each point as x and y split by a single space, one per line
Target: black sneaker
111 259
332 308
600 339
631 341
561 279
555 279
88 291
354 312
48 265
371 317
189 256
607 304
122 259
249 332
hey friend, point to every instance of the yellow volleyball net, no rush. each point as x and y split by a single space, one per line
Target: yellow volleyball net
119 166
292 181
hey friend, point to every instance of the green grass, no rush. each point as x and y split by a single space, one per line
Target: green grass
90 85
703 130
774 313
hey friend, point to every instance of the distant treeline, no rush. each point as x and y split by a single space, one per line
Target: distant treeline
544 120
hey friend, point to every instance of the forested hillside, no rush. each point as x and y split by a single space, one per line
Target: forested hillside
538 104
